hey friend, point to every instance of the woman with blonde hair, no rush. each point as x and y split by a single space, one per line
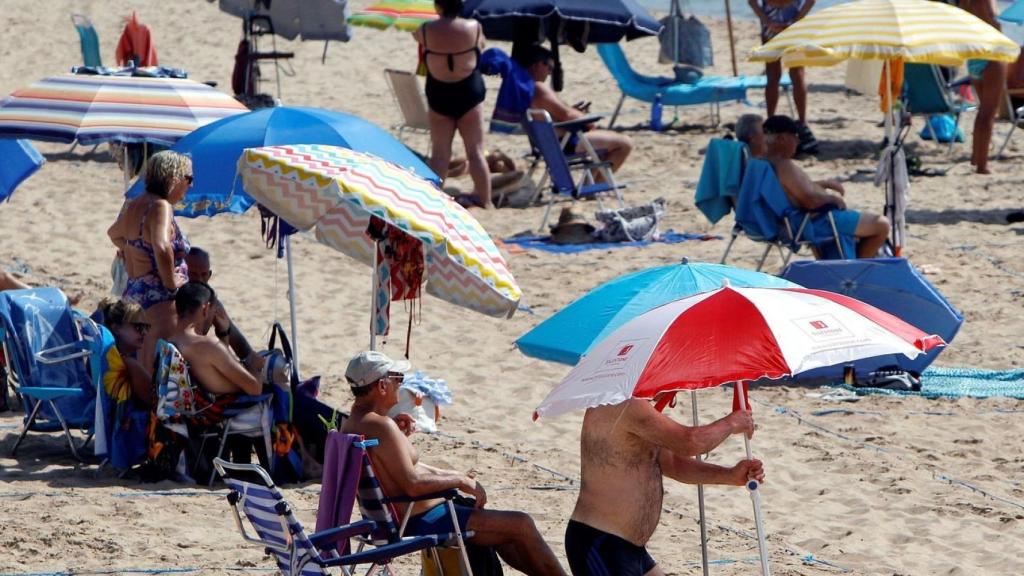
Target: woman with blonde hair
127 322
153 246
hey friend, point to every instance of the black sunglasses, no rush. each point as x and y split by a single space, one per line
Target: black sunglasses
189 178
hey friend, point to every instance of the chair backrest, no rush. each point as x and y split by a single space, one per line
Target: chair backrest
925 92
38 324
615 60
411 102
762 203
271 517
177 397
373 504
89 40
541 132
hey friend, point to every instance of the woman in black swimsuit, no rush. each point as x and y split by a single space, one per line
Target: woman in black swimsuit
455 92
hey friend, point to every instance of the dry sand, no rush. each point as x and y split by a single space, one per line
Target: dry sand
876 490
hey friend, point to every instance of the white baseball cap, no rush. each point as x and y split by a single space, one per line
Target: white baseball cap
370 366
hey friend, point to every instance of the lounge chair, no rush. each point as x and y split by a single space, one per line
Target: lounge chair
926 92
559 166
281 534
89 40
411 102
711 90
765 214
181 406
54 356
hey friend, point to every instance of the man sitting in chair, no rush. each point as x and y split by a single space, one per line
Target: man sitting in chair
781 142
539 62
375 380
200 270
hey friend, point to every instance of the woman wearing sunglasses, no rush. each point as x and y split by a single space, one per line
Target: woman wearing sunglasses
153 246
126 375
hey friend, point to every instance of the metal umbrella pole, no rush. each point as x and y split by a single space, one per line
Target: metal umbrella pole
291 299
375 285
700 500
753 486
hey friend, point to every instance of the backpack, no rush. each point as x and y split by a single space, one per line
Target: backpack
631 224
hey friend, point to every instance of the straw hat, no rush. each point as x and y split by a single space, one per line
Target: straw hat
572 228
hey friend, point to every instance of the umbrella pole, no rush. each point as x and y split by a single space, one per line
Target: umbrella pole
755 494
732 43
700 500
374 286
890 199
291 299
675 14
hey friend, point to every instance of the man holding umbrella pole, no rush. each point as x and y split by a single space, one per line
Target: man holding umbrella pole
626 450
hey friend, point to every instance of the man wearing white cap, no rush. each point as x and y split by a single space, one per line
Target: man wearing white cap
375 380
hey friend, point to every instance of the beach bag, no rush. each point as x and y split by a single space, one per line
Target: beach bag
631 224
694 43
280 375
944 127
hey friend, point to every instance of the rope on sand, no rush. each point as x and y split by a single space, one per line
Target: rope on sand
973 488
820 428
146 494
168 570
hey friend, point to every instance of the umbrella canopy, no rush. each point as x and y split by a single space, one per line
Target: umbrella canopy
731 335
312 19
908 30
573 331
216 147
600 22
405 15
335 191
94 109
1014 13
19 161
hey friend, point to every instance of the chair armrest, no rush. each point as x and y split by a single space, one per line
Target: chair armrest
579 123
386 552
49 393
446 494
70 351
359 528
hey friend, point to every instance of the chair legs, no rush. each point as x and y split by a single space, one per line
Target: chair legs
1013 126
28 424
732 240
617 108
63 425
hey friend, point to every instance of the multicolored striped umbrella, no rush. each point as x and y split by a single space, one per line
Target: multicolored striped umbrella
94 109
909 30
405 15
334 191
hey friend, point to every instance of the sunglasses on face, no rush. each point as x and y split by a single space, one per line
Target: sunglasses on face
141 327
396 377
189 178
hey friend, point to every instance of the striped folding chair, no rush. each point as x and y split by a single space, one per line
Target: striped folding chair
253 493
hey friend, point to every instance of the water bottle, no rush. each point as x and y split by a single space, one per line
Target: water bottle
656 114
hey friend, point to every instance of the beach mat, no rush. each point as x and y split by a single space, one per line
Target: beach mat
544 243
958 382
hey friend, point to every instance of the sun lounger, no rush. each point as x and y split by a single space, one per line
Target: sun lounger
411 102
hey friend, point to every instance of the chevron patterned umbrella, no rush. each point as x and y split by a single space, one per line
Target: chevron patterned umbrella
334 192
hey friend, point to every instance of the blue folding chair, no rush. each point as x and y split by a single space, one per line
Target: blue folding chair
89 40
926 92
54 357
253 493
765 214
559 166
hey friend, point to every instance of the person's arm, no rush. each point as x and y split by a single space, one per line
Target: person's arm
808 4
689 470
643 420
116 231
227 332
755 7
833 185
803 191
160 230
545 98
141 382
231 370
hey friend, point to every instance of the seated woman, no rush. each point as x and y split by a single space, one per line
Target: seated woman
126 321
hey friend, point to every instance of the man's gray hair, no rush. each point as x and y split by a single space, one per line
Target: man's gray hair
747 126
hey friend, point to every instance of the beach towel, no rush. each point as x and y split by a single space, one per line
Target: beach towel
544 243
120 426
338 488
958 382
515 94
136 45
720 178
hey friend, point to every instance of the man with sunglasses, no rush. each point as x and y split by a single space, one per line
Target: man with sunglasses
375 380
199 270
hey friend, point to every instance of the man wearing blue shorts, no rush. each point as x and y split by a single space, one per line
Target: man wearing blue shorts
781 141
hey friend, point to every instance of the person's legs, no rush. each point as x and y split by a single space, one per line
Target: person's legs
990 95
471 128
442 131
872 232
517 540
617 146
9 282
796 75
773 72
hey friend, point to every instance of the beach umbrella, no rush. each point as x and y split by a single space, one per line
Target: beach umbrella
215 149
109 108
336 193
573 22
1014 13
19 161
919 31
310 19
731 335
405 15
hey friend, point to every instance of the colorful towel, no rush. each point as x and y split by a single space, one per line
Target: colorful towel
136 45
544 243
959 382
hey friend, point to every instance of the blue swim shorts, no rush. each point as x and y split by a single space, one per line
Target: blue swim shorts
438 520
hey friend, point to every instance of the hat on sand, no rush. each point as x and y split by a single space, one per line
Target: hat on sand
572 228
368 367
780 124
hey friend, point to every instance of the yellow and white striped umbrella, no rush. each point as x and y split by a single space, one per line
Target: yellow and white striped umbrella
919 31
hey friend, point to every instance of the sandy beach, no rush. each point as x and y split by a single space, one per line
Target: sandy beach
882 485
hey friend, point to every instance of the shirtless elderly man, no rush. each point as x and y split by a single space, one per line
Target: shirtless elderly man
626 450
781 142
375 380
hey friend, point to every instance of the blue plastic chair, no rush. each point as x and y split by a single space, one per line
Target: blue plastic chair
89 39
55 356
712 90
253 493
559 166
925 93
765 214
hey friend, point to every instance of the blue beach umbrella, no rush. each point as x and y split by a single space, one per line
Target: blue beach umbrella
18 160
571 332
215 149
1014 14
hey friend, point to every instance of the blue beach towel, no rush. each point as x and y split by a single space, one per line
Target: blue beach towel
515 94
959 382
720 178
544 242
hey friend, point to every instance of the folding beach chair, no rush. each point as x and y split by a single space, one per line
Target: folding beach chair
720 178
181 406
764 214
281 534
89 40
1015 114
54 357
926 92
559 167
411 102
